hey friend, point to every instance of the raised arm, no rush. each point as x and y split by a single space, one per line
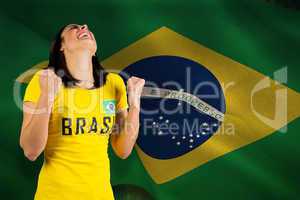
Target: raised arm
36 115
127 122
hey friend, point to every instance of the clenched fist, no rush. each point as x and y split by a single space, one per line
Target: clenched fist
134 89
49 84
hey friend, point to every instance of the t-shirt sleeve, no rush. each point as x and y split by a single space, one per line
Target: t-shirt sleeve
121 93
32 91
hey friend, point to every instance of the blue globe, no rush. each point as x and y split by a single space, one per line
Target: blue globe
169 127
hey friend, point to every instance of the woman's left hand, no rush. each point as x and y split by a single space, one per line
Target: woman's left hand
134 88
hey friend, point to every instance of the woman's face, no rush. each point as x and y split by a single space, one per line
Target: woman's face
78 37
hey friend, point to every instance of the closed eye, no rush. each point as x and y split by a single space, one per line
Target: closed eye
72 26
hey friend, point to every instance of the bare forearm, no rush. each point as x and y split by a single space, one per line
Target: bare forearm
35 134
126 139
129 121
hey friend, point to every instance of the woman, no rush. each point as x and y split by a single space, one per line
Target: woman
71 109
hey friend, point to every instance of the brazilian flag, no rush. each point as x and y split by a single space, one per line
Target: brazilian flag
248 48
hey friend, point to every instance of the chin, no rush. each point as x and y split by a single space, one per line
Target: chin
91 45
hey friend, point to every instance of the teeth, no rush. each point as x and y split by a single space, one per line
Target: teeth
83 35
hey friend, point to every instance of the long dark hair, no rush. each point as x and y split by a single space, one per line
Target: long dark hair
57 62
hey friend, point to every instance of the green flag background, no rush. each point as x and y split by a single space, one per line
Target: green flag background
265 36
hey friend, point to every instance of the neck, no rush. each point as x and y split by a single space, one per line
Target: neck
81 67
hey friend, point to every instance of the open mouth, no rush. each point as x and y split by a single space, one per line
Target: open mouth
83 36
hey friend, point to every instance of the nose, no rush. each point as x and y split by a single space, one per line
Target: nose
84 27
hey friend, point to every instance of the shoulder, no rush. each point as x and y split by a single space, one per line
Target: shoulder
115 79
32 91
35 74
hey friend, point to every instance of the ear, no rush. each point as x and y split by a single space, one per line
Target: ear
62 46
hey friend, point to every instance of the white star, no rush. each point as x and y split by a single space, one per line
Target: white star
197 136
161 117
191 140
167 121
183 137
178 143
173 137
191 146
191 135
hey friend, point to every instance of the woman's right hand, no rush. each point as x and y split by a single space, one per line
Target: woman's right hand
50 84
34 132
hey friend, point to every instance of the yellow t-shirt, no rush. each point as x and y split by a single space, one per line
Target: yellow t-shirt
76 164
